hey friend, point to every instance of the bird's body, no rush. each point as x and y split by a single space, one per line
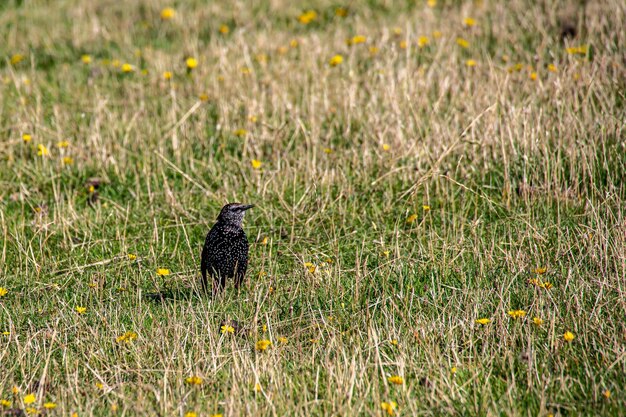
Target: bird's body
225 251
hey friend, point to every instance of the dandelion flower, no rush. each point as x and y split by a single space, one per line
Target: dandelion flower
422 41
373 50
168 13
5 403
127 337
437 34
162 272
224 29
341 12
16 59
578 50
131 256
431 3
167 75
294 43
396 379
15 390
394 342
463 43
426 208
217 415
282 340
29 399
240 132
541 270
227 329
31 410
63 144
516 314
127 68
411 218
42 150
606 394
203 97
191 414
328 150
257 387
49 406
194 380
552 68
86 59
402 44
335 60
310 266
537 321
483 321
307 17
386 253
355 40
256 164
547 285
568 336
386 147
453 370
389 407
191 63
68 160
469 22
80 310
3 292
262 345
26 137
470 63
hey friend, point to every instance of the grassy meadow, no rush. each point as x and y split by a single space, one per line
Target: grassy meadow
440 220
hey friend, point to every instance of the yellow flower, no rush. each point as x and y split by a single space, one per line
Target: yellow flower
264 328
402 44
240 132
578 50
63 144
540 270
127 337
6 333
256 164
470 63
80 310
191 63
257 387
131 256
341 12
422 41
397 31
91 189
15 390
116 63
224 30
168 75
294 43
190 414
547 285
282 340
389 407
162 272
483 321
431 3
462 43
16 59
265 241
203 97
552 68
396 379
5 403
86 59
394 342
49 406
537 321
606 394
99 385
217 415
3 291
437 34
336 60
386 253
310 266
516 314
227 329
328 150
307 17
31 410
469 22
194 380
568 336
355 40
42 150
262 345
411 218
168 13
373 50
426 208
386 147
29 399
26 137
453 370
126 67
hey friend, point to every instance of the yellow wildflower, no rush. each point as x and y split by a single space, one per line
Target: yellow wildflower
262 345
396 379
307 17
86 59
194 380
294 43
265 241
5 403
402 44
80 310
568 336
15 390
3 291
99 385
470 63
217 415
127 337
540 270
191 414
386 147
240 132
552 68
224 29
203 97
91 189
578 50
426 208
68 160
483 321
532 75
355 40
227 329
31 410
49 406
547 285
516 314
389 407
42 150
16 59
335 60
411 218
462 43
310 267
453 370
26 137
116 63
191 63
437 34
29 399
431 3
162 272
168 75
394 342
422 41
168 13
257 387
282 340
341 12
256 164
328 150
537 321
606 394
63 144
397 31
469 22
386 253
127 68
131 256
373 50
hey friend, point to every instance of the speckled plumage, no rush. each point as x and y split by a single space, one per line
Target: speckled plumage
225 251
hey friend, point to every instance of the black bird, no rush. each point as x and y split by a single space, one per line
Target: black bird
225 251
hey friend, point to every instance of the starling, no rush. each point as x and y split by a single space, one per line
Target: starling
225 251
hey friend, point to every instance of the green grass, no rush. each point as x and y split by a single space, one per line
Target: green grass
501 173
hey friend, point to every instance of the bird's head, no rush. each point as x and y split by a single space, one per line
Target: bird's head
233 213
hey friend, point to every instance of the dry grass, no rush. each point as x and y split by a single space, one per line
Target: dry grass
500 174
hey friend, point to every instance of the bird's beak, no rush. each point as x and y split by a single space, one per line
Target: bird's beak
246 207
